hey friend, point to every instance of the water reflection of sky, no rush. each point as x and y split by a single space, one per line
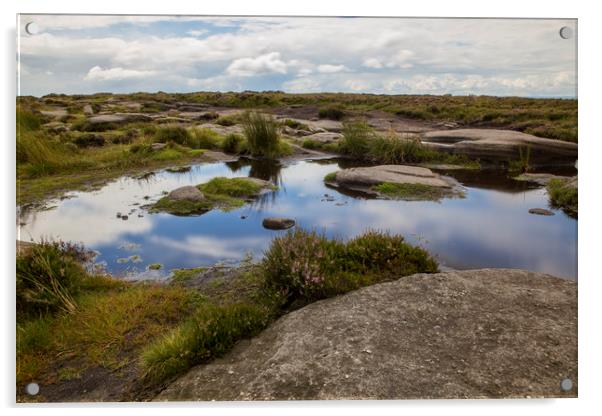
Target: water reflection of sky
489 228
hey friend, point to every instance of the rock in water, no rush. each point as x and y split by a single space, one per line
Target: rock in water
366 180
277 223
540 211
492 144
186 193
487 333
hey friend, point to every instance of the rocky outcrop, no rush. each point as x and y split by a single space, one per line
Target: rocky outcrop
278 223
119 118
501 145
464 334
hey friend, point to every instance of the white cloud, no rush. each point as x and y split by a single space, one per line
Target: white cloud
372 63
329 69
197 33
97 73
263 64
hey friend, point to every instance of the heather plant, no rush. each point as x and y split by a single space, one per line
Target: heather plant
304 266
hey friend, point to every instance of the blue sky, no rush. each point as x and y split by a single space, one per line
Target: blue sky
88 54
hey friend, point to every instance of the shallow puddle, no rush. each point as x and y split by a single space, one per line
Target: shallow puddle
491 227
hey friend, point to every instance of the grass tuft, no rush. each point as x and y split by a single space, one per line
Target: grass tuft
562 195
261 132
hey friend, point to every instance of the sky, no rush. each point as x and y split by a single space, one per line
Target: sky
74 54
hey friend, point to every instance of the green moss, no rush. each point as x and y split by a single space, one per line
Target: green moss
222 193
563 196
414 191
330 177
155 266
235 187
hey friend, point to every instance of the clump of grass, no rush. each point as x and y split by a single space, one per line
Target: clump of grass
27 120
209 333
362 142
49 275
204 138
109 329
172 133
332 113
412 191
357 137
261 132
232 143
523 163
306 266
230 120
563 195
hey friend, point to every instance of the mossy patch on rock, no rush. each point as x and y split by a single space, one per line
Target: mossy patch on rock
222 193
413 191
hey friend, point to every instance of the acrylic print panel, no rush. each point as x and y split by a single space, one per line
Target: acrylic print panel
284 208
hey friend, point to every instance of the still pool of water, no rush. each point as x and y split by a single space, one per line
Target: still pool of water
491 227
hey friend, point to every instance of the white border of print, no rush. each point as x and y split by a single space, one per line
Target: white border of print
589 223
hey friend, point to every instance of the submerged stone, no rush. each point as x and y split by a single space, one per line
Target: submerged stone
540 211
278 223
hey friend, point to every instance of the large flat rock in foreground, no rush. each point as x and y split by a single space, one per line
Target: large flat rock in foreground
491 144
462 334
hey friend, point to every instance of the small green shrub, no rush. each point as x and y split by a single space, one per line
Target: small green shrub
232 142
332 113
261 132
